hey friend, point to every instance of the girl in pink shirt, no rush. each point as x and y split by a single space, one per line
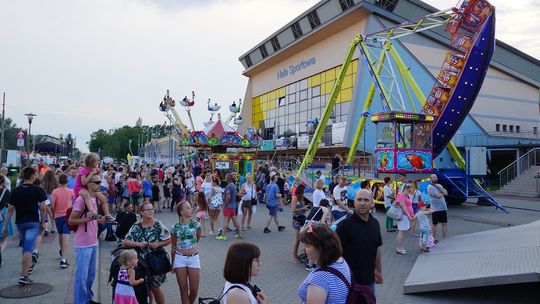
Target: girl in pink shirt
404 223
91 168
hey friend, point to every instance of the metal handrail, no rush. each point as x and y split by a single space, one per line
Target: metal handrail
517 160
520 165
537 177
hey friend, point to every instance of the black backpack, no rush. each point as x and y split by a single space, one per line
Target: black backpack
254 290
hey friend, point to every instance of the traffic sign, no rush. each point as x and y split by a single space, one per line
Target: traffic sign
20 134
20 142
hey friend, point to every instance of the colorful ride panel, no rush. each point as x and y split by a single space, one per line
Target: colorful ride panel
463 71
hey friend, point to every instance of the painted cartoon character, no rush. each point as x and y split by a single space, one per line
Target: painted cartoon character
455 60
448 78
384 161
416 161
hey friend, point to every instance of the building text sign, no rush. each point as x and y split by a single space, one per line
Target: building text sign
293 68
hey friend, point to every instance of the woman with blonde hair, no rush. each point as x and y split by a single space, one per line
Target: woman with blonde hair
248 191
318 194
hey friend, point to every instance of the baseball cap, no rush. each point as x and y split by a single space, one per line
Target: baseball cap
272 174
421 204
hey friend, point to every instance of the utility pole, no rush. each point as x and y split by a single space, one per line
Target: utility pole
3 129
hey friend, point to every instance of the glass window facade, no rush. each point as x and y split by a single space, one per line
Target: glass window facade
286 110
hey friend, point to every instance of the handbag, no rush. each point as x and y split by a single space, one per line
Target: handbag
158 261
300 219
253 199
395 212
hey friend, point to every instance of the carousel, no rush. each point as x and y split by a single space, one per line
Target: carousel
225 148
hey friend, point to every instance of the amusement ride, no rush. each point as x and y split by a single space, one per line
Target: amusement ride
414 123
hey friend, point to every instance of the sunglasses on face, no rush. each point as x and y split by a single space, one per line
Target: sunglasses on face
96 182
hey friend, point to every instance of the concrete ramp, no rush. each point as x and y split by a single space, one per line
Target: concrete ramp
496 257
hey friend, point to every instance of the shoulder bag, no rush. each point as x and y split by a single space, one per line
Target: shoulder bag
358 293
158 260
395 212
253 194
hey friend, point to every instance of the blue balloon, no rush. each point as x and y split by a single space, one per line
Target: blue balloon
333 227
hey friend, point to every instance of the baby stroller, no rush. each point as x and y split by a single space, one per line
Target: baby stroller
142 291
314 216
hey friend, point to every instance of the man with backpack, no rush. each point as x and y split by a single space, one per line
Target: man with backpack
28 202
361 241
86 244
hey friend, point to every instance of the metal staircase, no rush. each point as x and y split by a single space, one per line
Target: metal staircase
461 186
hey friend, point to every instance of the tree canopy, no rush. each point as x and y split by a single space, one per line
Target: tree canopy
115 142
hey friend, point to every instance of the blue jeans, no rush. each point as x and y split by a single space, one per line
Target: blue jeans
84 275
28 232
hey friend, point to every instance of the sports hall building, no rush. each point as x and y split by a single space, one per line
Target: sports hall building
291 74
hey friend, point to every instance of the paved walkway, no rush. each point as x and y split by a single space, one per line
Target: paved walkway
279 277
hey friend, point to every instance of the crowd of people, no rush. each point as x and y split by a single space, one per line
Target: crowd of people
82 198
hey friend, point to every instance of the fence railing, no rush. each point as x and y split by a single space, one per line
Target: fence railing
496 139
519 166
537 178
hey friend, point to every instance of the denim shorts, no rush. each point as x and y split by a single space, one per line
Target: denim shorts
28 233
61 225
184 261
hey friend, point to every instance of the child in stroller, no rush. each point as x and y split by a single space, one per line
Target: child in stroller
142 291
321 215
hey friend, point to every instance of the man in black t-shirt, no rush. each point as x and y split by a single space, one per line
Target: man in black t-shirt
361 241
27 200
336 163
125 220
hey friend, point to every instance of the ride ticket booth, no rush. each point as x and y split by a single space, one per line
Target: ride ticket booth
224 163
404 144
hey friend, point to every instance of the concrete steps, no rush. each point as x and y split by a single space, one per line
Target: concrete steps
524 185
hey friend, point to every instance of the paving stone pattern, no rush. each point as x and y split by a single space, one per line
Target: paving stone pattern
279 277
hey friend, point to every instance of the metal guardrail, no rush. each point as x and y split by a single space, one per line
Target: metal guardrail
519 166
537 178
496 139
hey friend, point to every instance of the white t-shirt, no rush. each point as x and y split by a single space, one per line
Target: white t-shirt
252 299
341 194
423 220
388 191
117 177
207 189
318 195
7 182
415 196
104 182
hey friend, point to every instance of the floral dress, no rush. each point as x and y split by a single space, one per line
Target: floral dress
155 233
217 199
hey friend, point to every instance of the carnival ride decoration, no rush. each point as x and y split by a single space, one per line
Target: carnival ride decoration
213 108
472 31
187 104
167 106
399 148
219 134
235 109
238 120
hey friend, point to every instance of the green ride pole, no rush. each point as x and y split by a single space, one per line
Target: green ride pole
319 132
367 104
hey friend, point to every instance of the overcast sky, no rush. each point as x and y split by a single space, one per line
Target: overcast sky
82 65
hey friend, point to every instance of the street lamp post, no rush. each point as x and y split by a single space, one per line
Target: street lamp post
30 118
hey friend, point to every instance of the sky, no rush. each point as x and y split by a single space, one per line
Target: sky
84 65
